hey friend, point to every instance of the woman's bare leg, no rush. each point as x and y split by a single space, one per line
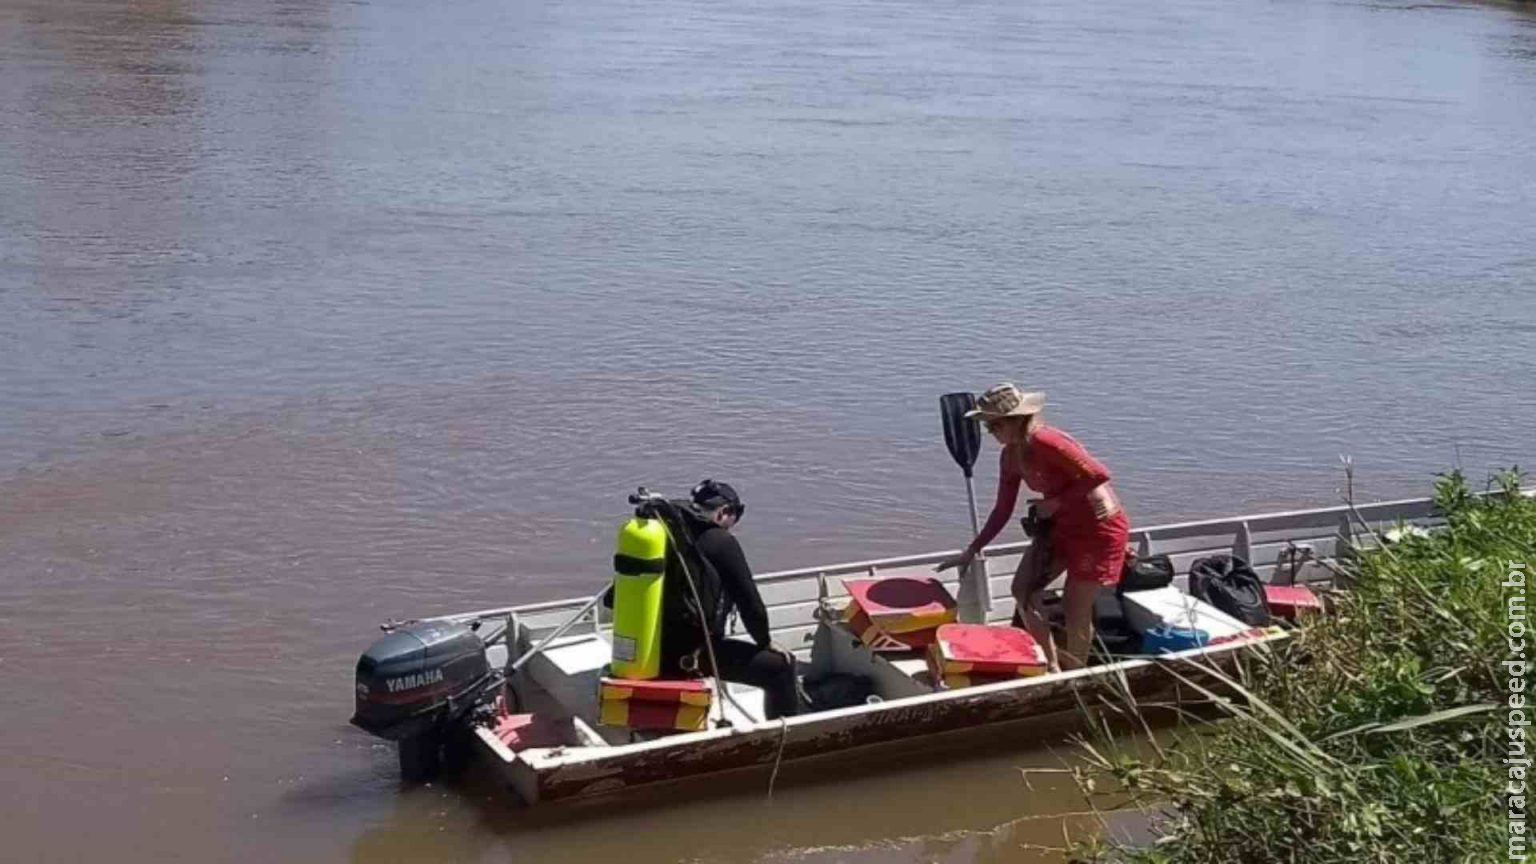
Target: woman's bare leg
1040 629
1028 591
1078 603
1024 576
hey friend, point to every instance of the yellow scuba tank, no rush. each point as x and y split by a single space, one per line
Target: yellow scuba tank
639 564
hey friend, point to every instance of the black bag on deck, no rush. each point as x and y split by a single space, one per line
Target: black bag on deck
1110 627
1145 574
838 691
1229 584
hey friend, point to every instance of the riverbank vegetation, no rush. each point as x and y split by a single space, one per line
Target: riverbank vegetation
1376 735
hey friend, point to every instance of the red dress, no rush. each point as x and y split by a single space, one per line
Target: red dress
1056 466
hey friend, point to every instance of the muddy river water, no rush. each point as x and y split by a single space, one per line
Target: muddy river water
314 314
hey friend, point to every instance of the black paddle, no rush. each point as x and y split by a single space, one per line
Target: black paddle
962 435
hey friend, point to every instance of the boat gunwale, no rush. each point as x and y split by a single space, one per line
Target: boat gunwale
550 758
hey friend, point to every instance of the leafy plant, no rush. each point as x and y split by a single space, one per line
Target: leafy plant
1374 735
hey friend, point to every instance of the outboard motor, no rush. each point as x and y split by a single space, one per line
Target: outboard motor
415 684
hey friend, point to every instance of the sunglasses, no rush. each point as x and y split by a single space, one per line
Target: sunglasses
997 423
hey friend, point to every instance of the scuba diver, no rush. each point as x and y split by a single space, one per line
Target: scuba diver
721 583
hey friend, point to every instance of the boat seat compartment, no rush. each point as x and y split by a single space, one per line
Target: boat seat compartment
837 651
1170 607
569 671
747 705
578 655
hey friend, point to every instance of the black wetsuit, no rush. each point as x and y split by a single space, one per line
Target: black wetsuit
725 582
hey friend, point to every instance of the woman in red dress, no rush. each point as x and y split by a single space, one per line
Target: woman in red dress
1088 529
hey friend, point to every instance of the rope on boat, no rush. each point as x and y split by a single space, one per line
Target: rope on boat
779 757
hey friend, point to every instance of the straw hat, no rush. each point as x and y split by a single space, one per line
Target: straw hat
1007 400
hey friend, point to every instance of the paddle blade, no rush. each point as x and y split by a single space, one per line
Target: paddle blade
961 436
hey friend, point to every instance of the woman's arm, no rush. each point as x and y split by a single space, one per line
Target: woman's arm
1008 481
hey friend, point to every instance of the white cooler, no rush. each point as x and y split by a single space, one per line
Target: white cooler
1170 607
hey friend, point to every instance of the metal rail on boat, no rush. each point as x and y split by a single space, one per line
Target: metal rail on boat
1262 539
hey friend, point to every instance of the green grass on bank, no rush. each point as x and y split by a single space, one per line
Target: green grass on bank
1377 735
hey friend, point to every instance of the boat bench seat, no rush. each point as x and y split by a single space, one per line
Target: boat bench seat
747 704
570 670
838 651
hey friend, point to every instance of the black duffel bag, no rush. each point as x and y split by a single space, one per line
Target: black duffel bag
1145 574
1229 584
837 691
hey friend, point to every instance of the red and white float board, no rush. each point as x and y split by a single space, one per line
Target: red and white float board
898 613
966 654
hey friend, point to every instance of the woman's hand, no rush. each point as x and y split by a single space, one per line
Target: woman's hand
962 561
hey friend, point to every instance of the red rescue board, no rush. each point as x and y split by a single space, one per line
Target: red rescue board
978 651
899 613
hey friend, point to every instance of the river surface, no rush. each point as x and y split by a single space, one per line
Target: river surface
314 314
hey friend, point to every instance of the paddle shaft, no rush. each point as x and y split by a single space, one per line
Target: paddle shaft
970 497
975 583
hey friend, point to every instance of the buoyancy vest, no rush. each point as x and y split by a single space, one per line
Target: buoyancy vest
682 614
